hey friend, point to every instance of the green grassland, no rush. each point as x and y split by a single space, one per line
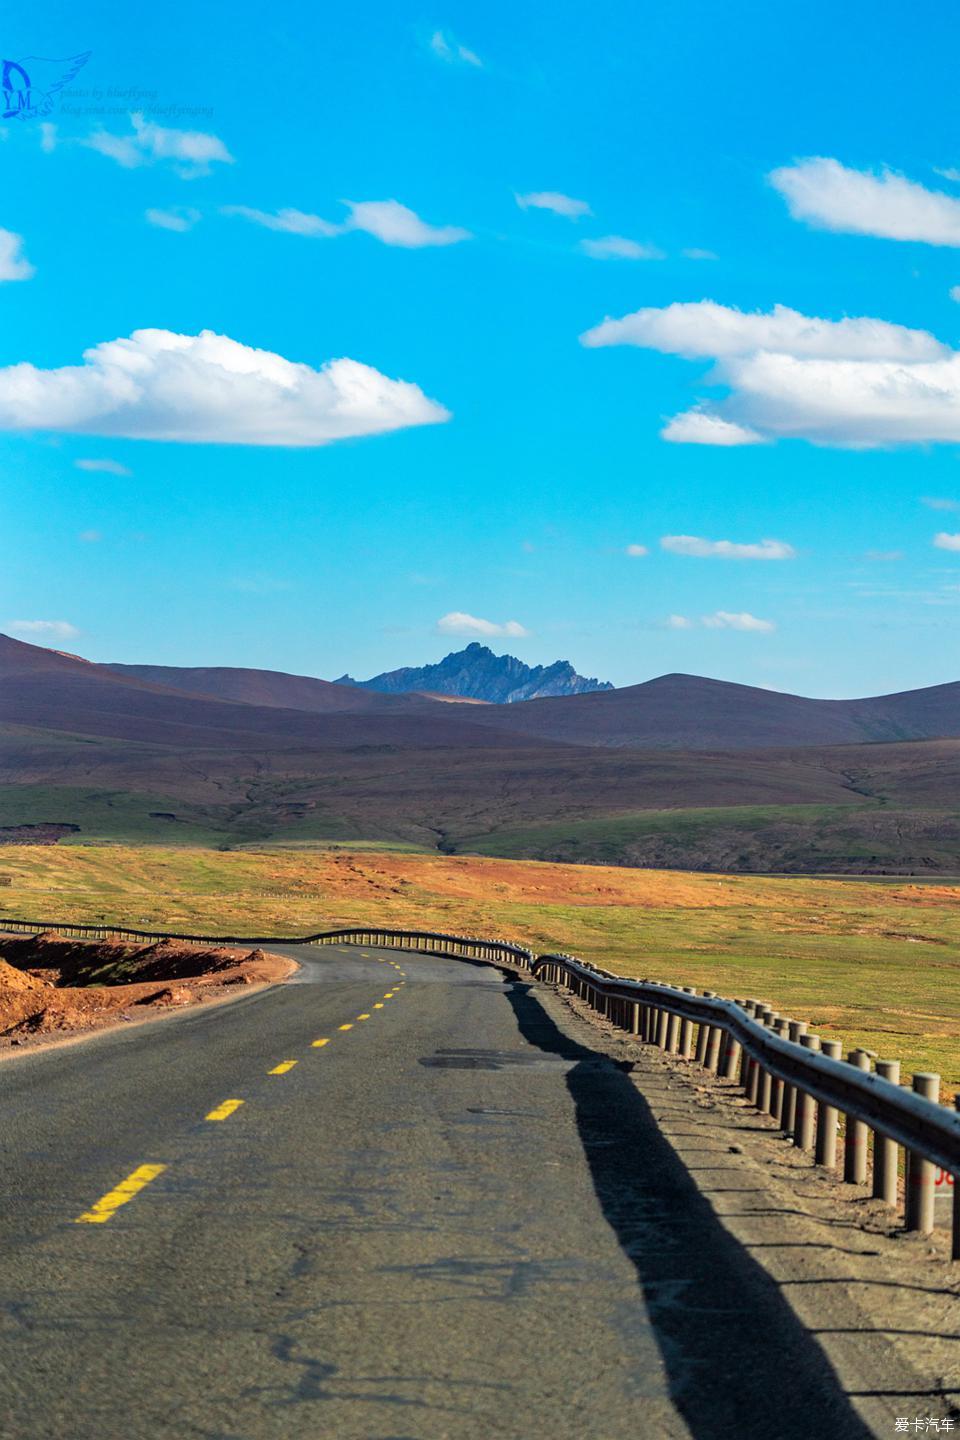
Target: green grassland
875 964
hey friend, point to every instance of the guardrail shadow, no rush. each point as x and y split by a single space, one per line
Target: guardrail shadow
737 1358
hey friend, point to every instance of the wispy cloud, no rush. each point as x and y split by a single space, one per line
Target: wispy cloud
387 220
883 556
679 622
694 252
831 196
936 502
700 427
618 247
42 629
459 623
108 467
637 550
90 537
179 218
190 153
696 546
207 388
14 265
553 200
945 541
448 49
742 620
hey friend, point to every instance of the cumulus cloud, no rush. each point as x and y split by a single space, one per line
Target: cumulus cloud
459 623
944 541
179 218
704 328
855 383
13 263
699 427
388 220
207 388
190 152
637 550
618 247
553 200
109 467
729 620
446 48
831 196
727 549
43 629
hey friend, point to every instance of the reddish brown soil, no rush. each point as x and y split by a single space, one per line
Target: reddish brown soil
51 987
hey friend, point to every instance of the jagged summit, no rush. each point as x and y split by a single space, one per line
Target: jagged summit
476 673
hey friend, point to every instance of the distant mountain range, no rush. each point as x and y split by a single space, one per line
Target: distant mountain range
476 673
680 771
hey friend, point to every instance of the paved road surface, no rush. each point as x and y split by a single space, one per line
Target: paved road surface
448 1222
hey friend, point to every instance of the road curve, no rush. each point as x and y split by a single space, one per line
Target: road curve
449 1221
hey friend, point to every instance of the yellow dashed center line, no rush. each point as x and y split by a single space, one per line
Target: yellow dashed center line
282 1068
364 1016
317 1043
346 1027
378 1005
110 1203
223 1110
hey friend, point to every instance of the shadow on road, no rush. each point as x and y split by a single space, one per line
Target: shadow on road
737 1358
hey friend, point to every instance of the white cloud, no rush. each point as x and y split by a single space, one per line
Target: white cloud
695 253
90 537
943 541
618 247
291 222
445 47
855 383
13 263
179 218
954 292
831 196
207 388
395 224
704 328
459 623
727 549
637 550
48 137
191 152
883 556
678 622
388 220
43 629
699 427
555 201
727 620
109 467
934 502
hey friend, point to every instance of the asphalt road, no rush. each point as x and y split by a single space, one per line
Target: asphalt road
450 1221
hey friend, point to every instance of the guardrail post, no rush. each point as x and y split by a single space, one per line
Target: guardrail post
920 1172
746 1061
855 1139
634 1017
703 1033
765 1083
730 1064
663 1022
885 1150
712 1061
686 1029
776 1089
673 1035
827 1116
804 1117
788 1110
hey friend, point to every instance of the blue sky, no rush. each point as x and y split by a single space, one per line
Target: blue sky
751 156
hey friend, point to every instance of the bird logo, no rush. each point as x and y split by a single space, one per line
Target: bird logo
30 86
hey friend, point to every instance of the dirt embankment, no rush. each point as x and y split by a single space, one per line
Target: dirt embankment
51 987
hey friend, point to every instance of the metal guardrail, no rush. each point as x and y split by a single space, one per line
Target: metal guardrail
796 1077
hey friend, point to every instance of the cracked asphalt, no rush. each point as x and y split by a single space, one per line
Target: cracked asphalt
446 1221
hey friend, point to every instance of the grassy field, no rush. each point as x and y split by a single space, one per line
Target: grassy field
874 964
